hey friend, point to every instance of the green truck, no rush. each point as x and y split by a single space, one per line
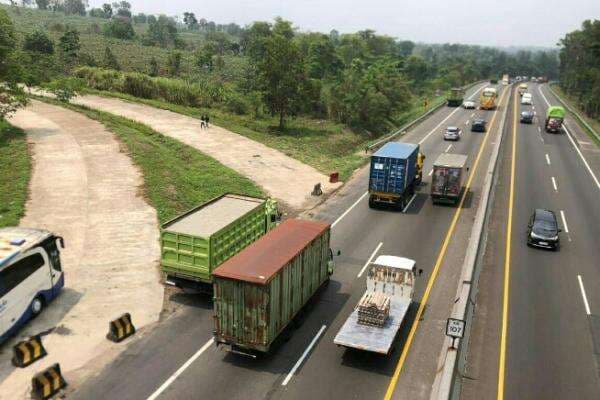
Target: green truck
554 119
259 291
196 242
455 97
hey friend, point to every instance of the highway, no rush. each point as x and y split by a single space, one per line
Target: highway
176 359
537 321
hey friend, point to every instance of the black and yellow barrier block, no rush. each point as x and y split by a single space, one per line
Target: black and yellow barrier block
47 383
120 328
28 351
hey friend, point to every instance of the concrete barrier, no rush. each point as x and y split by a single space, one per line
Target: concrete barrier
120 329
28 351
47 383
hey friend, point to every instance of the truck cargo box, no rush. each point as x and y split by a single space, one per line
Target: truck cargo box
195 243
447 178
260 290
393 168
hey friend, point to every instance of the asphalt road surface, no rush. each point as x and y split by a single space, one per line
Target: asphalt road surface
176 359
549 301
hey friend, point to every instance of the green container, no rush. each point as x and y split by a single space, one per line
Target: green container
556 112
258 292
455 97
195 243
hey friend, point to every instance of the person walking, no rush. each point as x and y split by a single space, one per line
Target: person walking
206 121
202 122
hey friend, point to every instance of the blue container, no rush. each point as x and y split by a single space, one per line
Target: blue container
393 168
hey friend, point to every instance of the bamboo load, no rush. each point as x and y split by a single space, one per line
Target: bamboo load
373 309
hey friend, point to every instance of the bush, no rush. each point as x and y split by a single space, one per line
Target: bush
236 103
38 42
64 89
139 85
119 28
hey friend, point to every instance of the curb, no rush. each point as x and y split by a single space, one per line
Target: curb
448 372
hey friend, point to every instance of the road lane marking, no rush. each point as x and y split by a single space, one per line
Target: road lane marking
554 184
511 200
409 203
574 144
472 115
303 356
189 362
349 209
430 172
370 259
547 159
585 300
449 147
539 129
467 123
449 115
438 263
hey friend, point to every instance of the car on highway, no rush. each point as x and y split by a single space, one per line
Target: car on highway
527 99
452 133
543 230
527 117
469 105
478 125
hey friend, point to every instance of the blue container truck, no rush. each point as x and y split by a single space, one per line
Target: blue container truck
396 169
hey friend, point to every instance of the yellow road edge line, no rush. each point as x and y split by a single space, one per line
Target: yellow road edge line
438 263
511 197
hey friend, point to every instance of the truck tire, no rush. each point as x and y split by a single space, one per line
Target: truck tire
371 202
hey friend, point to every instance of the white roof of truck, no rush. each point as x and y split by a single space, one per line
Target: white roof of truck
395 262
14 241
210 218
451 160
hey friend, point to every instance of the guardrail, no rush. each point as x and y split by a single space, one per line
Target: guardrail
579 118
452 361
412 123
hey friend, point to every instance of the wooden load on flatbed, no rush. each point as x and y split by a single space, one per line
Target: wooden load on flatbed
373 309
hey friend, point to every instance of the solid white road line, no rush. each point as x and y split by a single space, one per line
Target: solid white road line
562 214
189 362
369 260
410 202
574 145
554 184
301 359
585 301
547 159
349 209
449 147
449 115
430 172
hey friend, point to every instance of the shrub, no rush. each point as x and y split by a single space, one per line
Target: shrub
236 103
119 28
139 85
38 42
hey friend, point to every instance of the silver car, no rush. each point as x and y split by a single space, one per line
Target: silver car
469 105
452 133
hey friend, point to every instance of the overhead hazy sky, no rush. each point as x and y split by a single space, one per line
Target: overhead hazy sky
491 22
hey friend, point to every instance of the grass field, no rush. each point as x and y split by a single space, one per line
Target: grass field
176 176
325 145
15 169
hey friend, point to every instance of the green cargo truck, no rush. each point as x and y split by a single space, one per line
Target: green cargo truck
455 97
259 291
196 242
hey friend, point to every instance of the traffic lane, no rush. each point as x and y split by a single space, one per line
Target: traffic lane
547 325
376 221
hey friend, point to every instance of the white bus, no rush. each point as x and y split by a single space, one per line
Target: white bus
30 275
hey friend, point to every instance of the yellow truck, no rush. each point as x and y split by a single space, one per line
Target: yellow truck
487 99
523 89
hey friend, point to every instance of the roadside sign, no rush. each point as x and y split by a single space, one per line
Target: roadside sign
455 328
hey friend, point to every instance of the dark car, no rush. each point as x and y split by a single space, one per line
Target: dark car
478 125
543 230
527 117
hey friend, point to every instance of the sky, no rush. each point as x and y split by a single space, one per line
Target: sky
485 22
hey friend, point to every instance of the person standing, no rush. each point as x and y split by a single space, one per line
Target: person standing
206 121
202 122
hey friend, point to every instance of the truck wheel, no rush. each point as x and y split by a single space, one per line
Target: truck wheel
371 202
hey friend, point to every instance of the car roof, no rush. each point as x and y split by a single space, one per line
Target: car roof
527 112
546 215
452 128
479 121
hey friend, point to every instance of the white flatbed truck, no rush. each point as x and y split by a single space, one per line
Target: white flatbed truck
394 276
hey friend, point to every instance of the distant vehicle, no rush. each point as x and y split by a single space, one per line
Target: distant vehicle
522 89
396 169
487 99
478 125
31 275
447 178
391 286
527 117
534 80
452 133
494 81
469 105
554 119
505 79
543 230
196 242
527 99
455 97
542 79
259 291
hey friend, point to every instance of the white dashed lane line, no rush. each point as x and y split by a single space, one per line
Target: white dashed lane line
547 159
554 184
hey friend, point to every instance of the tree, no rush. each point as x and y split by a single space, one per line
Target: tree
11 95
140 18
64 88
154 68
75 7
69 44
162 32
108 11
110 61
97 13
174 63
42 4
119 28
123 9
38 41
204 56
281 72
189 19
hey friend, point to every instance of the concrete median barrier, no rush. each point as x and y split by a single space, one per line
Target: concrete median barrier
28 351
120 329
47 383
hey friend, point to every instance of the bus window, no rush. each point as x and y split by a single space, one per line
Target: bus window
15 274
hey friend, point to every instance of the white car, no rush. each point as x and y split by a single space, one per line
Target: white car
527 99
452 133
469 105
